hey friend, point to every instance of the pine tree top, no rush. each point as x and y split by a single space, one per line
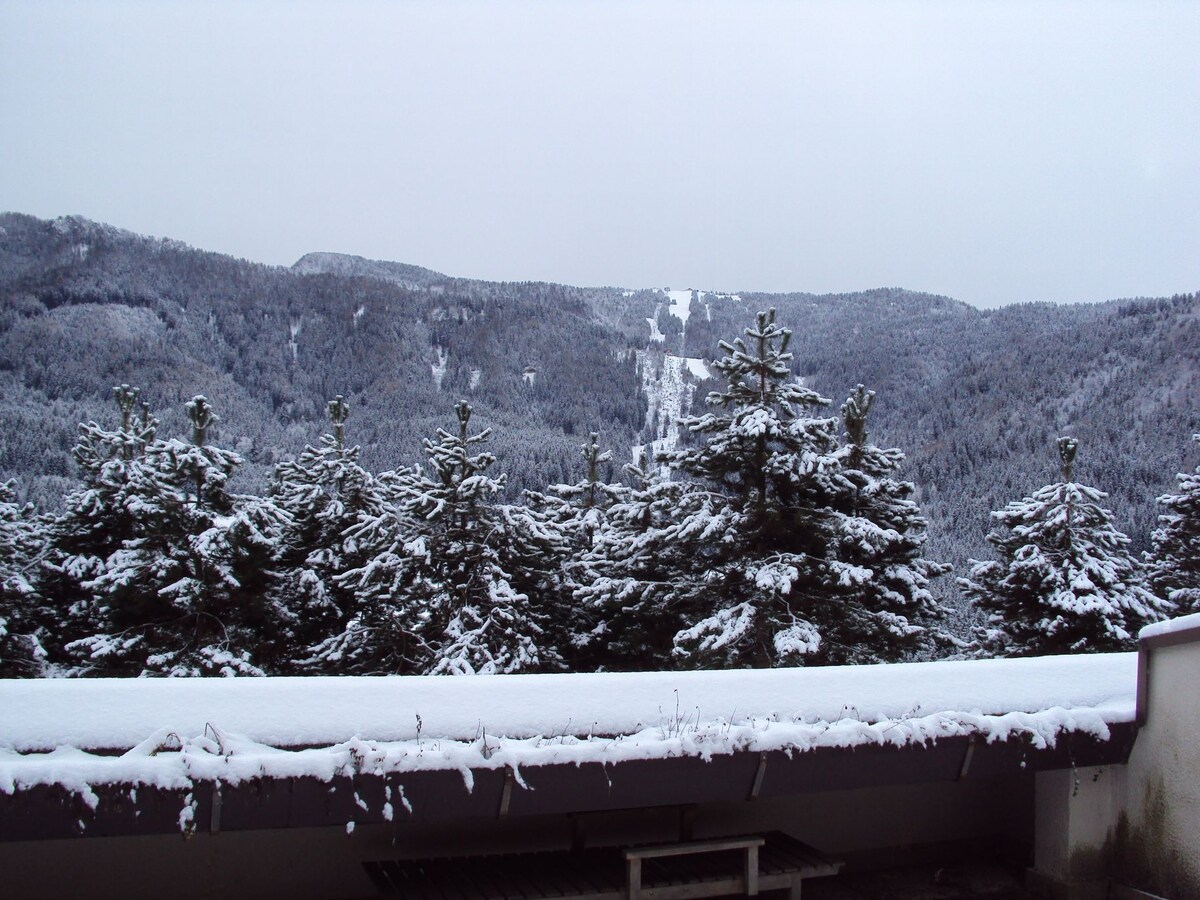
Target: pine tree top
200 414
339 411
757 370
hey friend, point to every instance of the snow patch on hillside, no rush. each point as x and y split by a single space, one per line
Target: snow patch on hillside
681 305
438 366
667 382
669 398
655 334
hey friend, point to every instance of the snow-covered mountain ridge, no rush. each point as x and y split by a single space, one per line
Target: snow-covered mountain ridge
347 265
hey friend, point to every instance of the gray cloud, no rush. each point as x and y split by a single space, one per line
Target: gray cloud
995 152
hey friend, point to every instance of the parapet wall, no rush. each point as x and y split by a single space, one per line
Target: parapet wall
1156 842
1135 825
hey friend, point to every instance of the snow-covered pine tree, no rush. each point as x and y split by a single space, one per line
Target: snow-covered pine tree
1174 558
580 508
444 591
96 520
884 610
744 555
532 551
758 592
578 514
627 579
26 621
325 493
186 592
1065 581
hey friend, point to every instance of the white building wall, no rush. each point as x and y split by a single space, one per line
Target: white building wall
1157 838
1136 825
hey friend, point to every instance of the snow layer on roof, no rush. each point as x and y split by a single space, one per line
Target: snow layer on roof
1171 626
165 760
41 714
178 732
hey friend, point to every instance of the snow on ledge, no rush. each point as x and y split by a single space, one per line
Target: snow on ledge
177 732
119 713
1171 626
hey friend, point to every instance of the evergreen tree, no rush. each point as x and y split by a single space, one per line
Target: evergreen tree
577 513
759 589
580 508
774 553
325 493
26 622
1174 559
445 591
96 520
1065 581
533 552
884 608
186 592
627 579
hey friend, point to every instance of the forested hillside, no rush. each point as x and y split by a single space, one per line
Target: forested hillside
85 306
974 398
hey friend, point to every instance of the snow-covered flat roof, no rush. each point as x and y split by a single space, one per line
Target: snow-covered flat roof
172 732
116 714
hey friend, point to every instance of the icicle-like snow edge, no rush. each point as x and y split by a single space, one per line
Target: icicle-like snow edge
169 761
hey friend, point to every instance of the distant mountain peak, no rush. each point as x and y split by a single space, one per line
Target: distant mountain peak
82 226
28 235
344 264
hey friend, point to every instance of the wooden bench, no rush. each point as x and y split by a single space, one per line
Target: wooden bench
679 871
634 857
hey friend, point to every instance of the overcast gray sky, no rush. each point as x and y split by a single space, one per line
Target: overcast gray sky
994 152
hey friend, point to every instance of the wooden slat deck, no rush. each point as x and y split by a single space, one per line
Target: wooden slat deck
600 874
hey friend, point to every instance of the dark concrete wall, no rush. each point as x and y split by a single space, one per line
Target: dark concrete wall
301 863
